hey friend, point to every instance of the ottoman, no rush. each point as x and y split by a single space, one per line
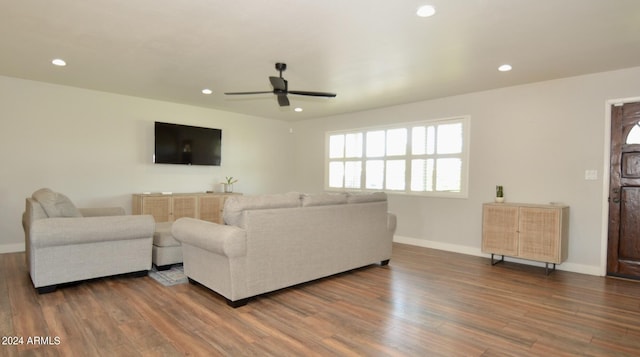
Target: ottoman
166 250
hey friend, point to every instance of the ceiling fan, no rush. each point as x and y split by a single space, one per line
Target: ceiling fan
281 88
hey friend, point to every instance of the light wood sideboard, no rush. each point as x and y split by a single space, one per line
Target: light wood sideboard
170 207
527 231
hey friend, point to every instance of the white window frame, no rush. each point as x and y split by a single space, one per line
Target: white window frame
408 157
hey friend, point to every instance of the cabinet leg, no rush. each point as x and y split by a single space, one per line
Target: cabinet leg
546 268
494 262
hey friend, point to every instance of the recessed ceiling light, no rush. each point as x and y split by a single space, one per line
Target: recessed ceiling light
505 68
59 62
298 110
426 11
207 91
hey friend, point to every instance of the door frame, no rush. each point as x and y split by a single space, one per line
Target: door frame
605 178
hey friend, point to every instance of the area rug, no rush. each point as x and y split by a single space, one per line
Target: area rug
173 276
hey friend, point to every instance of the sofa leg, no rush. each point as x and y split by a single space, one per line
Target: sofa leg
237 303
163 267
384 262
47 289
139 274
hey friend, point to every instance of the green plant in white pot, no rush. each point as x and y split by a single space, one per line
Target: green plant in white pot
228 184
499 194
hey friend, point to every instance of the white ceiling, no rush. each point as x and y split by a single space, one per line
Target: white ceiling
372 53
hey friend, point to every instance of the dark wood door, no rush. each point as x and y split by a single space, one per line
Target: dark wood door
623 256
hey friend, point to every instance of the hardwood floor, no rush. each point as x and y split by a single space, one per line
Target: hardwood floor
425 303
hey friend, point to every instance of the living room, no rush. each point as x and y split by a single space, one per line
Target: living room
107 156
536 139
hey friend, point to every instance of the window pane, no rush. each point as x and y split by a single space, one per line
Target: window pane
431 140
375 143
352 174
634 135
418 140
375 174
450 138
448 174
397 142
354 145
336 174
422 175
336 146
395 174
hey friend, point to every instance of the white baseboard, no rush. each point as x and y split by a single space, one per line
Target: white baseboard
463 249
11 248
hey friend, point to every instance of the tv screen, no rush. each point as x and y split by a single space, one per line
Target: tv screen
187 145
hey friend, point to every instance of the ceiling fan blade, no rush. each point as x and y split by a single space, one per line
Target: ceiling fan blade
236 93
314 94
283 100
278 83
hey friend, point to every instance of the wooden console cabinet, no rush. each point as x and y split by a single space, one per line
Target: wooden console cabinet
170 207
526 231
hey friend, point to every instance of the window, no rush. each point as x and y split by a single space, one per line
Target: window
425 158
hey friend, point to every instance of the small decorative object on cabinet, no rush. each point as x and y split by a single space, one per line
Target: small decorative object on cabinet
499 194
228 184
526 231
170 207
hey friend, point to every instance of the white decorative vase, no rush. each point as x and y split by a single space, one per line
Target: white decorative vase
499 199
228 187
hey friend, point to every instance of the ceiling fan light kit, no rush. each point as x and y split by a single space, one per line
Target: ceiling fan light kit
281 88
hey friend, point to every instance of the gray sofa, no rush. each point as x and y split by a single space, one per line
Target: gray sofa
271 242
65 244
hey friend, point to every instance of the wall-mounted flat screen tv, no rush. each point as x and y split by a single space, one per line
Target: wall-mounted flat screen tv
187 145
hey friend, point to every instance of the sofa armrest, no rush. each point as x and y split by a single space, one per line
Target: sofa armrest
102 211
225 240
392 222
74 230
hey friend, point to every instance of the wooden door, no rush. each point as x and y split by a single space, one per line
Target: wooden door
623 254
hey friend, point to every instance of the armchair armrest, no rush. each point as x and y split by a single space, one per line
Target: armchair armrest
225 240
392 222
74 230
102 211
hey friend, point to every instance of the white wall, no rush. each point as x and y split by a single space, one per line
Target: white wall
536 140
97 148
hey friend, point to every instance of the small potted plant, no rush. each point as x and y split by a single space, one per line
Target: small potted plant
499 194
228 184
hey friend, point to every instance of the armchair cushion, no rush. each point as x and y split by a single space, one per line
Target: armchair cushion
56 204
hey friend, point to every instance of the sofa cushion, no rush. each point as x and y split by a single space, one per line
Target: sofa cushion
323 199
234 205
366 197
56 204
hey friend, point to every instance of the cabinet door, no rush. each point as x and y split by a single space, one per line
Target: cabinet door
540 234
500 229
211 208
158 207
184 206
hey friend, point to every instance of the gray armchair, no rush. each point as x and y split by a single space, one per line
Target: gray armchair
65 244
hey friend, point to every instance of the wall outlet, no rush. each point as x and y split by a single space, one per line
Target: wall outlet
590 174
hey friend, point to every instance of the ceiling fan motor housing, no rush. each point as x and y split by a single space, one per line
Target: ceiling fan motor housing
281 67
